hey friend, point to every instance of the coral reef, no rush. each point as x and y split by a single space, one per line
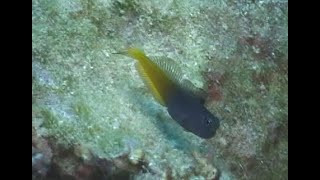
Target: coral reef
93 118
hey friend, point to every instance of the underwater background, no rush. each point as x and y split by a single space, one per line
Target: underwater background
94 118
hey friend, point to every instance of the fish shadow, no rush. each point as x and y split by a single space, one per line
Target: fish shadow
171 130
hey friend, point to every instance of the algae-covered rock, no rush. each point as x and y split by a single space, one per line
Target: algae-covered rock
87 99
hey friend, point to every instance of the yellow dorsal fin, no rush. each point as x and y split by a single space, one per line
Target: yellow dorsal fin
147 80
153 76
174 72
161 75
170 67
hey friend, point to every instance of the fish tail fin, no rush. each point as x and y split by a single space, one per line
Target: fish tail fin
134 53
149 72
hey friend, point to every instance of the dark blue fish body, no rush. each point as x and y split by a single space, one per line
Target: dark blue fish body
189 111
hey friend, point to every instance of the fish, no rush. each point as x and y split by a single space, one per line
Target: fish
184 102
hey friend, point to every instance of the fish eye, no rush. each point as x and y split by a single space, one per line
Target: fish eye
207 120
